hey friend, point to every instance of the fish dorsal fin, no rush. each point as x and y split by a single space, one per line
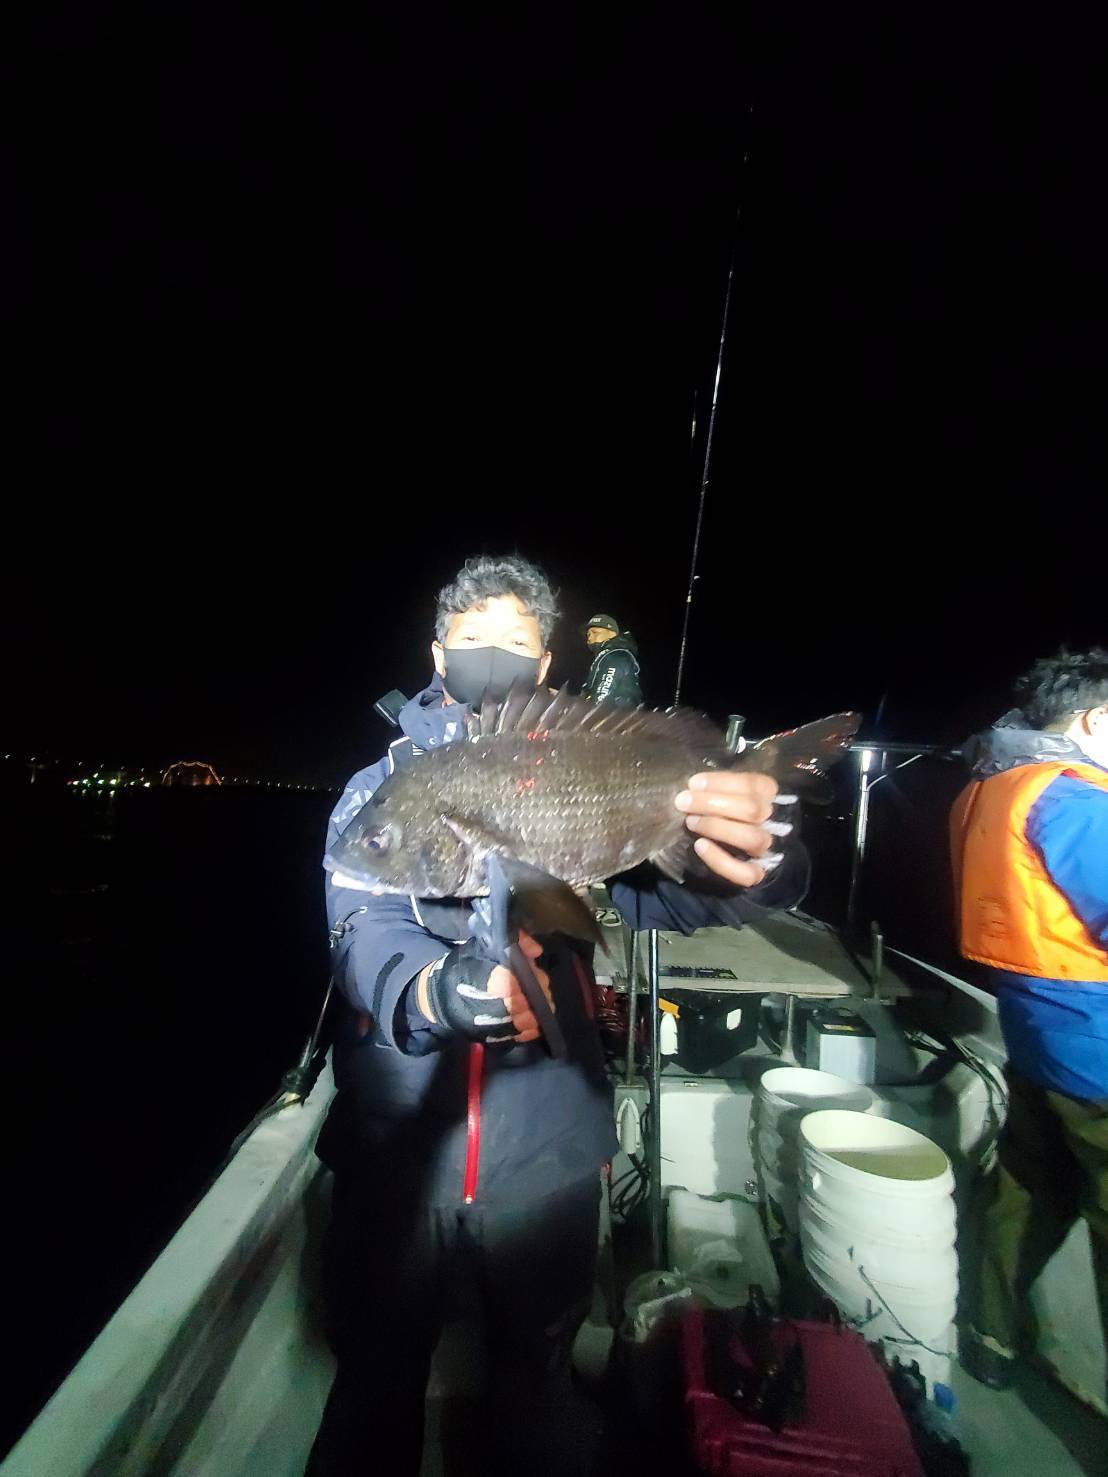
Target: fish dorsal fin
802 755
519 695
609 718
557 715
539 710
529 715
490 706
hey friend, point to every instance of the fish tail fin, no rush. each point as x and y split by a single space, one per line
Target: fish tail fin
799 758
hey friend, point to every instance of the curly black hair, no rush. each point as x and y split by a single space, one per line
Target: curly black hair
486 576
1059 686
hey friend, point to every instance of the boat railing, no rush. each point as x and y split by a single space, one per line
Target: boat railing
871 763
871 759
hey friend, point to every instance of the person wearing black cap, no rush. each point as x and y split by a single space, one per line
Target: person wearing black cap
614 673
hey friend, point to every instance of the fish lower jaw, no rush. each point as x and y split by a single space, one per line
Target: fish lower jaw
359 883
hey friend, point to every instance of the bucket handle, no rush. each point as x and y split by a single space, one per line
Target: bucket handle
909 1337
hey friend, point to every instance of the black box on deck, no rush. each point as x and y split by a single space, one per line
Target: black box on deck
712 1027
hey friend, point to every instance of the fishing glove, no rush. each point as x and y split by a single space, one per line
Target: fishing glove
456 990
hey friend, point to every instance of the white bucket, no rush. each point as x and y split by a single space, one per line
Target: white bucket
922 1313
790 1092
785 1095
888 1263
876 1176
878 1227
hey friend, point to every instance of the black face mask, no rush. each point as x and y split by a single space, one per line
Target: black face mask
472 671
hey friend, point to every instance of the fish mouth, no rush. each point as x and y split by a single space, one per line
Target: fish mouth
359 884
347 876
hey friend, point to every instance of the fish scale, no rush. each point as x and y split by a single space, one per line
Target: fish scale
574 807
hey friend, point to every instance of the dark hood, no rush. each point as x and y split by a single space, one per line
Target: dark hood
1010 744
623 642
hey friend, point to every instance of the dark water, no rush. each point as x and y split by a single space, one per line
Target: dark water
169 960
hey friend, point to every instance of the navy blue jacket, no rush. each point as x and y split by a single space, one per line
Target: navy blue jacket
404 1087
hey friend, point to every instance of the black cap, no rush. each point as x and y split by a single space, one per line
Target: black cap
608 622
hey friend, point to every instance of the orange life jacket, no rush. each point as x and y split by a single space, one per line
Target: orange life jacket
1010 913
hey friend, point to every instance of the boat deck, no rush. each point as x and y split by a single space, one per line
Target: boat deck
1036 1427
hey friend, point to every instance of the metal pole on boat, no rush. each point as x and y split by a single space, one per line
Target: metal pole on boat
654 1145
861 823
632 1004
866 754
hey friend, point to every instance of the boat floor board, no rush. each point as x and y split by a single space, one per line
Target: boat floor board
779 954
775 955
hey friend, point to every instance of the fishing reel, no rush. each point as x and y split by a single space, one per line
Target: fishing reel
388 707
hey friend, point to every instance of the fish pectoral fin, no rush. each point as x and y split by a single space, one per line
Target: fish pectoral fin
676 859
478 838
547 905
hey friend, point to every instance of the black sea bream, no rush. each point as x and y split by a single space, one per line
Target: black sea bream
575 790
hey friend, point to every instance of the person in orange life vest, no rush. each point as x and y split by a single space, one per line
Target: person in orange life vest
1029 842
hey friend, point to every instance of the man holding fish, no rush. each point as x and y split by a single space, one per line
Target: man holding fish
463 1149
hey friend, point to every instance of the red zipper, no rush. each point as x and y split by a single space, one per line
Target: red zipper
586 979
473 1121
473 1093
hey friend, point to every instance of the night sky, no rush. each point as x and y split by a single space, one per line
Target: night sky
303 307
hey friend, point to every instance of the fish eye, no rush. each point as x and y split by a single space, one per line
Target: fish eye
380 842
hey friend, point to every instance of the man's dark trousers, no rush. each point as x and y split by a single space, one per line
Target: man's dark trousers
391 1267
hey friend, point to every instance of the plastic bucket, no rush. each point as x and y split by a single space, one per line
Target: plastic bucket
878 1227
876 1177
923 1312
857 1149
887 1263
785 1096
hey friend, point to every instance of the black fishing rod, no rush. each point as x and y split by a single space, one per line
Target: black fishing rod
706 470
705 475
